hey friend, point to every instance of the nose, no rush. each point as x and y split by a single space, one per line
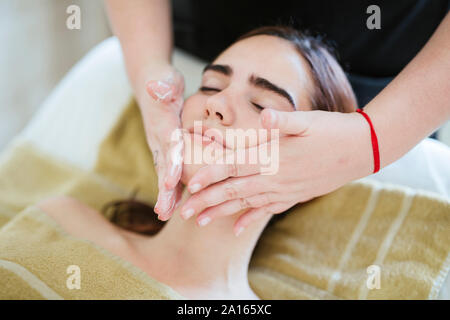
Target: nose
217 109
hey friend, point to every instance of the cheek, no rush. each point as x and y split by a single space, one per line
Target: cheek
248 119
191 147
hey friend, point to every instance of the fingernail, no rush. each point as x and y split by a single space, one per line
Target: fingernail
204 221
163 204
156 207
239 231
195 187
269 118
273 118
187 213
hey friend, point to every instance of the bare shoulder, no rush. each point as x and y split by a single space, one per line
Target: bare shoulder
82 221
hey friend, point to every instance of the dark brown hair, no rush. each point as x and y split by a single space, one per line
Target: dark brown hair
133 215
332 92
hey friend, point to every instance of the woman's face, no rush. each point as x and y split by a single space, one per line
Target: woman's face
253 74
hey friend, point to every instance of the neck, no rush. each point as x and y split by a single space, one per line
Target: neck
210 258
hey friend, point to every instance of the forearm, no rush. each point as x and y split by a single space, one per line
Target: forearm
417 101
144 30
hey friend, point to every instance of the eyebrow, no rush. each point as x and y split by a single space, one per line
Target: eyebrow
254 80
221 68
267 85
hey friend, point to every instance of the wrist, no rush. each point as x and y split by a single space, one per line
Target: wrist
374 140
152 70
362 157
140 62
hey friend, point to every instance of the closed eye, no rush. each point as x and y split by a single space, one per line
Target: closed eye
209 89
257 106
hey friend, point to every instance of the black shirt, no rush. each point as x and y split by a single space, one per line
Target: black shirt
371 57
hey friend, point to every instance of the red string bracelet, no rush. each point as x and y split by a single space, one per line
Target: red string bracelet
373 135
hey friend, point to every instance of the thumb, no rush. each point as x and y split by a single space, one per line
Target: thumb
296 122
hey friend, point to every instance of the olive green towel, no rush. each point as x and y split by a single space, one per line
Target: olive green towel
334 247
38 260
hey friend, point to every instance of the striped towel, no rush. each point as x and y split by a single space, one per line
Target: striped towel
364 241
38 260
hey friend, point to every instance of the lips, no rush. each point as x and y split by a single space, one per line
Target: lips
209 135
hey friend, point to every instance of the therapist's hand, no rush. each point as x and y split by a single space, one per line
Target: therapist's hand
160 101
320 152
